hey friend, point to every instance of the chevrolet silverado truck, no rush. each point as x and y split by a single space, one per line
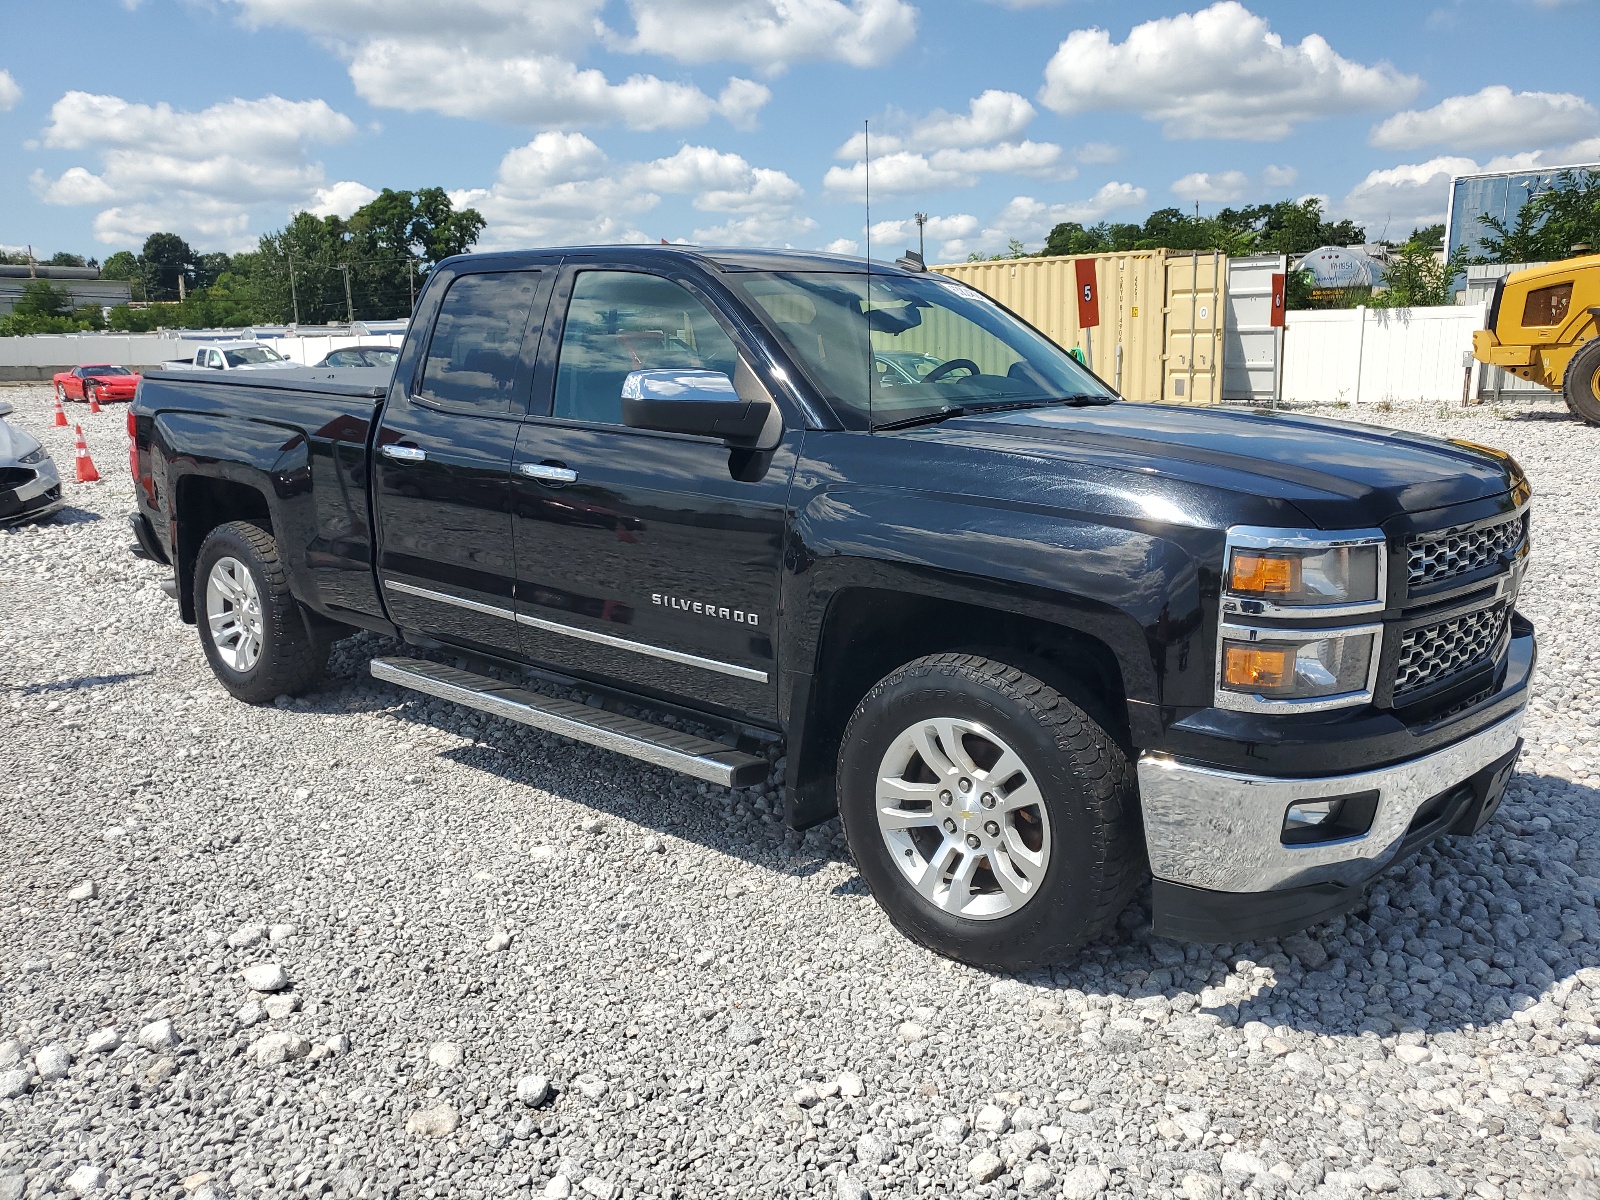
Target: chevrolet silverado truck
1032 643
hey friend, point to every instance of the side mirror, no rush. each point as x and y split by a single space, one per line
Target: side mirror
698 402
6 408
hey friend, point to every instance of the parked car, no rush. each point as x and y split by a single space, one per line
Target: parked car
103 381
1032 643
233 356
30 488
362 356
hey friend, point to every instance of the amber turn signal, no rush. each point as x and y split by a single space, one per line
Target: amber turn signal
1256 667
1254 573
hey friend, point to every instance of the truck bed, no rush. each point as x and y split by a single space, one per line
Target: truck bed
306 435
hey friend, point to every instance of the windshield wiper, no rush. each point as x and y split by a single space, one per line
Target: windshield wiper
927 418
1080 399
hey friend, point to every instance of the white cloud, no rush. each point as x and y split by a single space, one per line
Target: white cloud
1217 73
893 174
992 117
195 171
1212 186
771 34
1223 187
945 234
1495 118
519 62
10 92
837 246
1405 196
948 150
537 89
340 199
1099 152
1029 220
561 188
757 230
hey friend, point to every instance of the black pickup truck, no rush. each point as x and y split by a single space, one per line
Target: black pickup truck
1033 643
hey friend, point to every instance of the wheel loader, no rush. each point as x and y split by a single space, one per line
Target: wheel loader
1542 325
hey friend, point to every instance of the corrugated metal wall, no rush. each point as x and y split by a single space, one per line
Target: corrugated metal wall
1126 347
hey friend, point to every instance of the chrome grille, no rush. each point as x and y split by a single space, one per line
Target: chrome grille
1452 552
1432 652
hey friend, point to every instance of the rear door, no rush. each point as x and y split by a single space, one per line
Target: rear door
443 457
650 559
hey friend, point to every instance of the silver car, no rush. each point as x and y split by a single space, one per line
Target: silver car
29 485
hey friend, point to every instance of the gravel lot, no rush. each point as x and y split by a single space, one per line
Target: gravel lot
367 944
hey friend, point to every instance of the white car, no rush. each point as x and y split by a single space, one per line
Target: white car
233 356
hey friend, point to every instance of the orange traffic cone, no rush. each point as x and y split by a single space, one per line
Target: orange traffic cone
94 400
86 471
61 413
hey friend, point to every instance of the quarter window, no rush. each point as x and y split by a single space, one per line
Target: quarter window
622 321
1547 306
476 348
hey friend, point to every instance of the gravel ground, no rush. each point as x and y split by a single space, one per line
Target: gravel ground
366 944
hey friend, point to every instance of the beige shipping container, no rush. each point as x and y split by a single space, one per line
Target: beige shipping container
1126 348
1196 290
1161 315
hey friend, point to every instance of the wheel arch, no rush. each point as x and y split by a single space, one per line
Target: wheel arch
200 504
866 632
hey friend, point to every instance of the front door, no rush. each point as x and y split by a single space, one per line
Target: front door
648 559
442 462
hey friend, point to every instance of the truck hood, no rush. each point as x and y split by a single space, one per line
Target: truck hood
1341 475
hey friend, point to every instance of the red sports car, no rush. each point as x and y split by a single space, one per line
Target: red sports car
102 380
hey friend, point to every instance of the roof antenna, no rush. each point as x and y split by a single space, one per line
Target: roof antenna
866 135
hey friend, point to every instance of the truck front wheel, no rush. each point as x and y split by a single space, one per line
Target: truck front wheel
1581 384
993 819
256 638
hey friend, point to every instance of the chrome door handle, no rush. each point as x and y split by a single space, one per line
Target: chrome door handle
548 472
405 453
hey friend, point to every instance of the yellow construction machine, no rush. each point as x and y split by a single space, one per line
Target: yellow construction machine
1542 326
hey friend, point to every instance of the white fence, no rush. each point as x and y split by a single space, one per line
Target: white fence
1369 355
37 356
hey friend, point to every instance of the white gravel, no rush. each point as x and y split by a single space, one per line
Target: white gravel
651 989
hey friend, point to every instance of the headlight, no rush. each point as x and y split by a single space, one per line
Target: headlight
36 455
1296 669
1303 574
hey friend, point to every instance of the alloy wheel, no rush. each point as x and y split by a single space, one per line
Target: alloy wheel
963 818
233 611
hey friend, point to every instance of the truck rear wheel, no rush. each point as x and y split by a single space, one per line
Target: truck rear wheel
1581 384
257 640
993 819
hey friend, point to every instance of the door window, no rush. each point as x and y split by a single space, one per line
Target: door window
476 348
1547 306
622 321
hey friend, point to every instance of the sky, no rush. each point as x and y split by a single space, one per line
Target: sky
741 122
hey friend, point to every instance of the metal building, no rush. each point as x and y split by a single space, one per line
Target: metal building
1499 194
84 283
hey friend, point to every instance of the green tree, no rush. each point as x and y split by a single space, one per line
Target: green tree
1417 275
45 307
42 298
165 259
124 264
62 259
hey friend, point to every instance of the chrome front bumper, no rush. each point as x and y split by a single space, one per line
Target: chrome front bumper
1221 831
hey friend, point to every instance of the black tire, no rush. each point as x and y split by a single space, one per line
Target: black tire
1581 383
293 655
1096 861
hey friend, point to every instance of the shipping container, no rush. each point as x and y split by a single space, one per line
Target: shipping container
1126 348
1194 318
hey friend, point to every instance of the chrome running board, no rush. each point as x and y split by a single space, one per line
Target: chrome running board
670 748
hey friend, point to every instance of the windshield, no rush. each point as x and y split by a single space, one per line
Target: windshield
383 357
101 372
935 346
252 354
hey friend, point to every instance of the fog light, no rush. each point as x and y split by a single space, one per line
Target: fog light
1328 819
1308 813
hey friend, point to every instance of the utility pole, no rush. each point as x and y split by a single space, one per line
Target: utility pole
349 308
411 278
921 219
294 297
182 293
